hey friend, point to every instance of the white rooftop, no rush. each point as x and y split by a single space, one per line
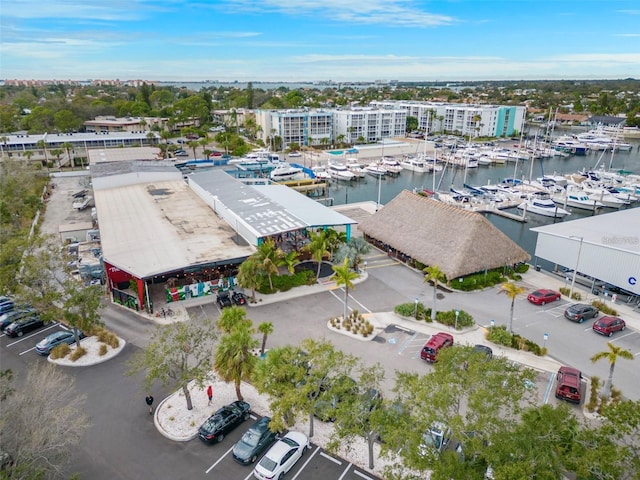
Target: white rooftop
267 209
101 155
620 230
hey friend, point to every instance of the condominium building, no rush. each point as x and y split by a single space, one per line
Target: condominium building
318 127
465 119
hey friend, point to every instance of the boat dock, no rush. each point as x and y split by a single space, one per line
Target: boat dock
480 206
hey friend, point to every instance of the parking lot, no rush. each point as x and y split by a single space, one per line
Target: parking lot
315 464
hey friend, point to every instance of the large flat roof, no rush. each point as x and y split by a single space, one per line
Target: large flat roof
152 228
619 230
267 209
103 155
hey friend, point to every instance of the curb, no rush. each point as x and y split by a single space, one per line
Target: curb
162 430
64 362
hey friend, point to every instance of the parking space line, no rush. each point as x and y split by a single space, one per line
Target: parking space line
366 477
345 471
306 463
623 336
27 351
329 457
548 390
219 460
249 476
406 342
23 338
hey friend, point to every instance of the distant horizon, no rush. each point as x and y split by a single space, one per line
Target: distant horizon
321 40
321 82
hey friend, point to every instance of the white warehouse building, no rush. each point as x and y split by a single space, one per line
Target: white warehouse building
605 247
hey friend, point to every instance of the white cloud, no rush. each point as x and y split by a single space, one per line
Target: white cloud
400 13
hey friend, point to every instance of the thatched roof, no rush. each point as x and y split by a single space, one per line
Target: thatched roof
460 242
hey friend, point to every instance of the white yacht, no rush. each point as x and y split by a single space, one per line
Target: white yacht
354 167
392 166
339 171
320 172
604 196
415 164
577 199
283 172
376 170
540 203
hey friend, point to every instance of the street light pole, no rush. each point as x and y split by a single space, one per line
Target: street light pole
457 314
575 270
415 310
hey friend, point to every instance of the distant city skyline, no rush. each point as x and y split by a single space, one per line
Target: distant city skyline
312 40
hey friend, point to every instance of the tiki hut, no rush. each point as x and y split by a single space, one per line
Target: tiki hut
460 242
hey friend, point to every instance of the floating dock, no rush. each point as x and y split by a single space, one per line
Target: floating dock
496 208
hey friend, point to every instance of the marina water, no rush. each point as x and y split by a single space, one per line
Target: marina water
367 188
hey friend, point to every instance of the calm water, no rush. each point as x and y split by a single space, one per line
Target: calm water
366 189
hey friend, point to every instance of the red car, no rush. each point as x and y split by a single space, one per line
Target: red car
543 296
608 325
436 343
569 386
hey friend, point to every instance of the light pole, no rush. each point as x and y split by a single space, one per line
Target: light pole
415 310
457 315
575 270
492 322
545 337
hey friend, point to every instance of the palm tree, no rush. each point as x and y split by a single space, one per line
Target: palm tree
69 148
434 275
233 359
43 145
290 259
612 355
512 291
249 275
268 257
57 152
232 318
193 144
165 135
28 154
318 248
343 275
266 329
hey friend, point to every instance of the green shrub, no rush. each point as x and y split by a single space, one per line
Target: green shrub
282 283
522 268
499 335
478 281
60 351
408 310
449 318
77 353
604 308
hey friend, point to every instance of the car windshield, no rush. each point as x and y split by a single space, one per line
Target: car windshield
250 438
429 350
291 443
268 464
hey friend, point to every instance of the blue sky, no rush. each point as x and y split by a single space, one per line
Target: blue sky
302 40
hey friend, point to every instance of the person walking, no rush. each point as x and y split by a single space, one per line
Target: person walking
210 393
149 400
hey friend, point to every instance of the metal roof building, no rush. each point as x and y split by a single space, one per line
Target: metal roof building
605 247
260 211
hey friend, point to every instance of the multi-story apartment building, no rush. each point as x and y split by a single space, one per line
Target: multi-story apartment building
317 127
102 124
465 119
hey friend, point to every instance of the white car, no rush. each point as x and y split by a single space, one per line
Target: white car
295 154
281 457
